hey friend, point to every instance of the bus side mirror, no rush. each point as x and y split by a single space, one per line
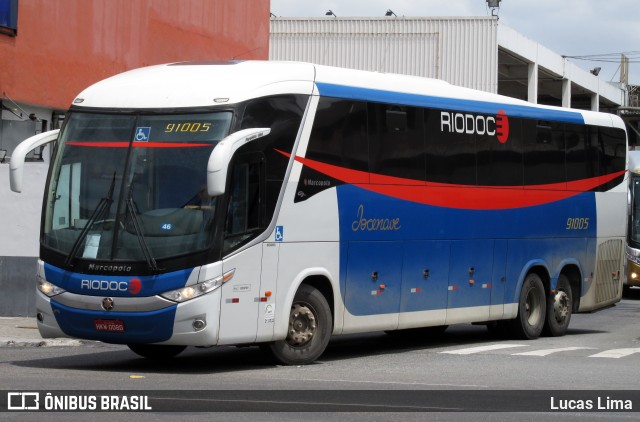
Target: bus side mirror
17 157
222 154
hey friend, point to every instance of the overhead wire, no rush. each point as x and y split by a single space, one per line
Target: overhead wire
632 56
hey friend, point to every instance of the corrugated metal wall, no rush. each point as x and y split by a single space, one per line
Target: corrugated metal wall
462 51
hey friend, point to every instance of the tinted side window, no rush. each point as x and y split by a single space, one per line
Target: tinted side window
579 157
245 211
451 152
339 134
283 114
500 163
543 153
396 142
612 148
338 138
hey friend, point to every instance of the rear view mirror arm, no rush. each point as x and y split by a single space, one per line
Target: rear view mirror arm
223 153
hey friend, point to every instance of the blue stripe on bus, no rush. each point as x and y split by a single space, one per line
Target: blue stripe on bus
139 327
443 103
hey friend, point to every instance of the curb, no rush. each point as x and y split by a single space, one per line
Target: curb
23 332
55 342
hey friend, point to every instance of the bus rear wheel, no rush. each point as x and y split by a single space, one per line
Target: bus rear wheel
532 308
559 307
310 326
156 351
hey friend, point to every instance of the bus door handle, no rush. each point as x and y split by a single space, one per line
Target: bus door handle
425 273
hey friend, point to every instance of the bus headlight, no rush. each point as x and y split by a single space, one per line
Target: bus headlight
191 292
49 289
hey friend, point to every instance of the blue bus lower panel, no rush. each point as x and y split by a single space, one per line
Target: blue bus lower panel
403 256
137 327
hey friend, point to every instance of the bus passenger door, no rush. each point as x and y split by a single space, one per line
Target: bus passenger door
238 307
425 278
374 274
245 219
266 296
470 281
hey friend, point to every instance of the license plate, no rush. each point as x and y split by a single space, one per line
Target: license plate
109 325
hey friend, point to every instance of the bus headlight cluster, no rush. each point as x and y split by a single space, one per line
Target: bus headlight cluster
47 288
191 292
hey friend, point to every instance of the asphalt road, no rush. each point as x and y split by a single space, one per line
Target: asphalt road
372 376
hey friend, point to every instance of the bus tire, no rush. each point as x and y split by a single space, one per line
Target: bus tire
310 327
559 308
531 309
156 351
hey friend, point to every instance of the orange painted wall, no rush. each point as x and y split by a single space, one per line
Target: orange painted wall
63 46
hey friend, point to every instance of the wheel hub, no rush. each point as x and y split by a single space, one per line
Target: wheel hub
561 305
302 325
532 307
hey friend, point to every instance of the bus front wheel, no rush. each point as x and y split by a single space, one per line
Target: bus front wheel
156 351
309 329
532 308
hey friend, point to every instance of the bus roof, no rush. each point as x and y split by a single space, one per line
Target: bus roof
197 84
206 84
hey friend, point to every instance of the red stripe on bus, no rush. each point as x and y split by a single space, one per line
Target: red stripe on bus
459 196
136 144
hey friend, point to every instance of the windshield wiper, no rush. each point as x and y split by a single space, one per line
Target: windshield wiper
104 204
131 211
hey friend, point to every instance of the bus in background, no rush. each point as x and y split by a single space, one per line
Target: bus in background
633 230
277 204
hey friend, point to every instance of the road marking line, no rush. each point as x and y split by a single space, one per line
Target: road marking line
546 352
422 384
480 349
616 353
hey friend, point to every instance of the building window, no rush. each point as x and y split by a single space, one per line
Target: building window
9 17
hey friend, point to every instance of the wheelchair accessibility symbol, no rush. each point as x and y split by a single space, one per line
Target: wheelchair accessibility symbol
279 233
142 134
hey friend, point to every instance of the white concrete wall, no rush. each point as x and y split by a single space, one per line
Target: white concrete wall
19 239
534 52
20 212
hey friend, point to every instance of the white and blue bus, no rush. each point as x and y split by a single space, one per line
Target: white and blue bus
270 203
633 230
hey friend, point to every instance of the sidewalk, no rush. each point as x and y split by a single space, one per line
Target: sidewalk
23 332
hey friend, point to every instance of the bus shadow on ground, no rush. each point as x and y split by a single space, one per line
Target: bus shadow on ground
217 359
461 336
221 359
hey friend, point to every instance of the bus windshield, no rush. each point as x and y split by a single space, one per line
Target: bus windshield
132 187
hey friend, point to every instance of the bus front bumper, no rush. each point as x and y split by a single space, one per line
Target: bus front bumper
188 324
